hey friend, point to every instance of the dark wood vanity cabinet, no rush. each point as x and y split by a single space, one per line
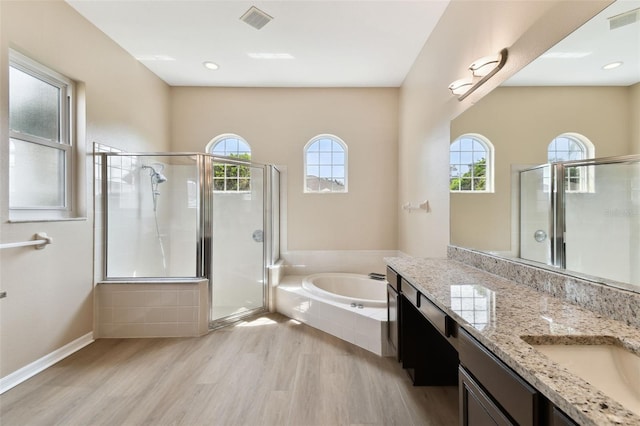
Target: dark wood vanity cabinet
436 351
427 355
558 418
393 312
493 386
476 407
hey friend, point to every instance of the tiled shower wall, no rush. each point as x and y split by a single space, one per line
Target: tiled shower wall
154 309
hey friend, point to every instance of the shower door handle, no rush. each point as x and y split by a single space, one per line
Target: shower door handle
539 235
258 236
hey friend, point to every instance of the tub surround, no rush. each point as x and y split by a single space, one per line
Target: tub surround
517 310
307 262
365 327
348 288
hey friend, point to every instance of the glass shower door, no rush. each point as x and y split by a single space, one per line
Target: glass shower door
536 215
238 273
602 221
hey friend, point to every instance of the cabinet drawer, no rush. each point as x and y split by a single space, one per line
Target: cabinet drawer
393 279
509 390
409 292
437 317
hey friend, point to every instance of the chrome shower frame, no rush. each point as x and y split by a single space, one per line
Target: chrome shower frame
557 225
204 227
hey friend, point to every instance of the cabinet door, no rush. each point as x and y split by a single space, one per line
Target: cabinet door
393 319
427 356
558 418
476 408
511 392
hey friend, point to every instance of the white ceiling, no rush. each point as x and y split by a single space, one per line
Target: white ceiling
333 43
600 45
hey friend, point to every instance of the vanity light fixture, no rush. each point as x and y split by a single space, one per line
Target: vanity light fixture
210 65
483 68
612 65
459 87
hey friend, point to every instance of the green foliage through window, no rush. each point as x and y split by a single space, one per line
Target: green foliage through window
232 177
473 180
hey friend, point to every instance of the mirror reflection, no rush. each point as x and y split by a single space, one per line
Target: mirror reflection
580 100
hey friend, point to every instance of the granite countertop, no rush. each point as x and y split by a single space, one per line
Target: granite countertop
505 311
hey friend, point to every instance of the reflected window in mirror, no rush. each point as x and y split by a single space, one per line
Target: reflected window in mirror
471 164
572 147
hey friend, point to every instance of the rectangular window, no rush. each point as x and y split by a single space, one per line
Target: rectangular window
40 141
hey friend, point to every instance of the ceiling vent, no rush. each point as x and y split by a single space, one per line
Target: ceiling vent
256 18
623 19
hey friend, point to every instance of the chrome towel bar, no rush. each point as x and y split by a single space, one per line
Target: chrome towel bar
40 241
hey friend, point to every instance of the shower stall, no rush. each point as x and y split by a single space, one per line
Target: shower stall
583 216
173 216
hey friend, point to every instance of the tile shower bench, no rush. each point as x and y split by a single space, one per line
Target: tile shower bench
483 317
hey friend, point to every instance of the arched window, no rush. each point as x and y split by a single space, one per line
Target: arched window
231 177
471 164
571 147
325 165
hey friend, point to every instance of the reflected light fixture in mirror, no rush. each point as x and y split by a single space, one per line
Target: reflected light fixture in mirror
485 67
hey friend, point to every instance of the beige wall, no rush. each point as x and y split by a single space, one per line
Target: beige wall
520 122
50 292
467 30
634 108
278 123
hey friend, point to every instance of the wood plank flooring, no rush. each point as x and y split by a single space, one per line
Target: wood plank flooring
267 371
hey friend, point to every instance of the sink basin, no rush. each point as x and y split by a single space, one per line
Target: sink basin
611 368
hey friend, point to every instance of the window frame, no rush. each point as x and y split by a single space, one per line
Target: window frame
65 142
489 164
305 166
586 179
209 149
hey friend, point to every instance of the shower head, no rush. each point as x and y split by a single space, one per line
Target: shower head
158 177
155 173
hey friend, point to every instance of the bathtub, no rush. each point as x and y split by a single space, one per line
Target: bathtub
348 288
352 307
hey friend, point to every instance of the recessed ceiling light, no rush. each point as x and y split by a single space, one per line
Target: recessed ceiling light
612 65
210 65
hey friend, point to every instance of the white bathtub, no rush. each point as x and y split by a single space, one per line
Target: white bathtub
352 307
347 288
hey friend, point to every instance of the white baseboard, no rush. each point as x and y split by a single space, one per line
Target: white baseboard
41 364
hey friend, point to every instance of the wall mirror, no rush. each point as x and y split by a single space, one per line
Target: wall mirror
585 89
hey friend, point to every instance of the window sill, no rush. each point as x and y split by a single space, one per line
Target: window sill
472 192
60 219
325 192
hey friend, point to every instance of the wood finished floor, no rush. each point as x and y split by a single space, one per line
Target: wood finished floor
267 371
